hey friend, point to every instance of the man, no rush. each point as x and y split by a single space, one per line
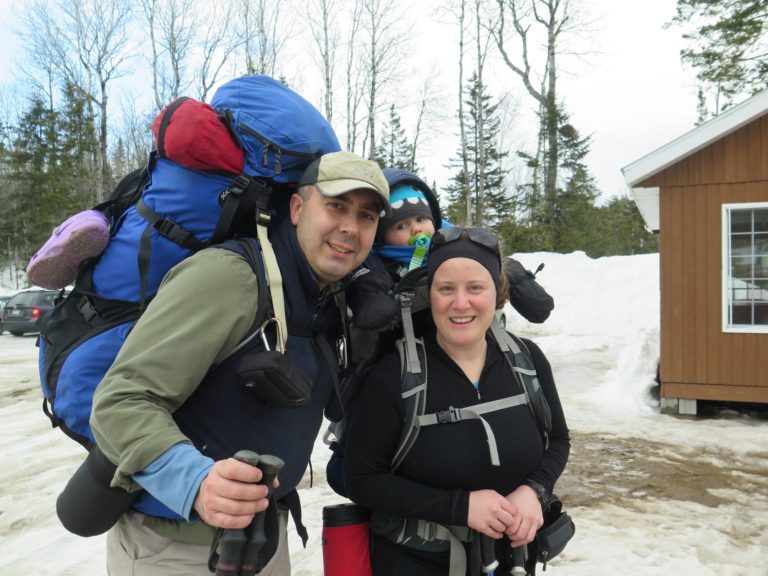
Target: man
171 410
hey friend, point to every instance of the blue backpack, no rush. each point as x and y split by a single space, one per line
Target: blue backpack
161 215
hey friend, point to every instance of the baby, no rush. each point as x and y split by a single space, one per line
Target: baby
410 216
402 243
404 234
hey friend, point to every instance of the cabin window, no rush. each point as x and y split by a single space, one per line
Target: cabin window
745 267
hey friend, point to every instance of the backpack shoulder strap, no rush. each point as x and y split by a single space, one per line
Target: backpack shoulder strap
413 393
257 257
519 359
274 280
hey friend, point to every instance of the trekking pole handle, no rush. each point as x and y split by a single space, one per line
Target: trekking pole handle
518 561
248 457
231 541
488 554
270 466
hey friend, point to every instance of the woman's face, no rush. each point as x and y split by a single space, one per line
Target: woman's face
463 301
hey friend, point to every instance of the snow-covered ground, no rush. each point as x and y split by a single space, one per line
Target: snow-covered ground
651 494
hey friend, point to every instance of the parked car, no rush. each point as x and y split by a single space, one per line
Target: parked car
3 302
25 310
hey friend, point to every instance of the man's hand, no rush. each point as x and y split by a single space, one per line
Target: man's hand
529 517
490 513
229 496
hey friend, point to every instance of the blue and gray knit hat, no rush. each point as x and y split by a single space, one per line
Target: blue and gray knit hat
405 201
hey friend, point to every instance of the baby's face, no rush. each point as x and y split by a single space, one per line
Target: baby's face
401 231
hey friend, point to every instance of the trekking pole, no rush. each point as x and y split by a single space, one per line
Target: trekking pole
231 541
488 554
270 466
519 556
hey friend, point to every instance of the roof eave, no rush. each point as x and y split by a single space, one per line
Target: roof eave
696 139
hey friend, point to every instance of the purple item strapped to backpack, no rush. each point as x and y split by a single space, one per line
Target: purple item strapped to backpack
82 236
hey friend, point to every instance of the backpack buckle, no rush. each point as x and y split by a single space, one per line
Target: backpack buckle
238 186
448 416
86 307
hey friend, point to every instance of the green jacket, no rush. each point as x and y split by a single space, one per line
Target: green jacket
204 308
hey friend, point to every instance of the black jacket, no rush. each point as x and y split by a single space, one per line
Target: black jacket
448 461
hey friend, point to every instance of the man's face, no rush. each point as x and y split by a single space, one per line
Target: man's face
335 233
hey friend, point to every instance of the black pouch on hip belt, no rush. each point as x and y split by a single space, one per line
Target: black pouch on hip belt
556 532
88 505
274 379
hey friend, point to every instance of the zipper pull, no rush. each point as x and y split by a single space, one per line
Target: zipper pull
278 167
264 152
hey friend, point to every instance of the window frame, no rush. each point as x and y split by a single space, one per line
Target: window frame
727 210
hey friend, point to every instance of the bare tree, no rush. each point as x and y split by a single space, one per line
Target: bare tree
321 14
354 77
84 42
263 33
171 25
460 13
482 42
216 46
381 21
551 19
427 108
135 131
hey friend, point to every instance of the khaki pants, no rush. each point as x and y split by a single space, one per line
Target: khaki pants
135 550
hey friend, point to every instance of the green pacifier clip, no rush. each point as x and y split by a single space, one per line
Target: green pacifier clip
420 242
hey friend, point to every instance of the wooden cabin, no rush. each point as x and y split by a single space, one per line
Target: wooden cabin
706 195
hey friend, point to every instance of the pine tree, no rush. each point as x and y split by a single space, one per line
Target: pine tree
623 230
33 160
80 147
563 221
490 200
119 159
574 210
394 149
50 172
727 46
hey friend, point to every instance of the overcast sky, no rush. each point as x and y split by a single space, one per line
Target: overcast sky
633 97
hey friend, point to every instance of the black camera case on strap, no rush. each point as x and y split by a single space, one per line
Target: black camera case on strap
274 379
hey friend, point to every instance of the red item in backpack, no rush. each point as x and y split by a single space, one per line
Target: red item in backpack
346 548
193 135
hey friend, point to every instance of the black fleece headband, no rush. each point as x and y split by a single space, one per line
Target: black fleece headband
464 248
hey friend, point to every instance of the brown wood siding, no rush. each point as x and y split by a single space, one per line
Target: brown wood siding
715 392
741 156
699 360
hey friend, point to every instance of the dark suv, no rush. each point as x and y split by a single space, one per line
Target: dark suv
25 310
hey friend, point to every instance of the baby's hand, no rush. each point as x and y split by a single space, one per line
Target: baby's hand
371 299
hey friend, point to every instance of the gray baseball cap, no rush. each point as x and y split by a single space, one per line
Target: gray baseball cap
337 173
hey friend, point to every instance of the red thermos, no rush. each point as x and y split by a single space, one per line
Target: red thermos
346 549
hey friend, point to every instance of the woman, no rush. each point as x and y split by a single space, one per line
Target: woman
447 477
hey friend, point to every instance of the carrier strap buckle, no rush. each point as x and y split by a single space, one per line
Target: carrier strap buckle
86 307
448 416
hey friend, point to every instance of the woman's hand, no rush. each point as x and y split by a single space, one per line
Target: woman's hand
529 517
490 513
229 496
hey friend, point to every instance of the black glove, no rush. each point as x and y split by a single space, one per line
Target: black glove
370 296
526 295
